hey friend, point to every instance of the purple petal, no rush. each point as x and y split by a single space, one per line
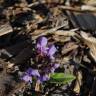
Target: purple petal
41 45
38 46
56 66
29 71
26 78
42 42
52 57
44 50
43 78
33 72
51 51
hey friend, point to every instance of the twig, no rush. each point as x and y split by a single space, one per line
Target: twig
5 29
64 33
82 9
36 3
45 1
50 31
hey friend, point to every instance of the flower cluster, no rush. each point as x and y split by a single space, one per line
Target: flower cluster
44 50
42 74
29 73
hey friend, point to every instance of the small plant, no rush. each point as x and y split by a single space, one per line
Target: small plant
45 71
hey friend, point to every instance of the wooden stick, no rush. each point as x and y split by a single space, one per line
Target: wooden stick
80 9
5 29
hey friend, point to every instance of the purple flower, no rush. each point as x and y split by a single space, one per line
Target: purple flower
51 51
33 72
42 49
43 78
41 45
26 78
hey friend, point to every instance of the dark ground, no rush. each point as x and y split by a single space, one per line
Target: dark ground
73 32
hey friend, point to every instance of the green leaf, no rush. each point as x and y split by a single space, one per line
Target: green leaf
61 78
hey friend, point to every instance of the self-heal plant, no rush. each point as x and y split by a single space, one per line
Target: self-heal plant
45 66
46 51
27 77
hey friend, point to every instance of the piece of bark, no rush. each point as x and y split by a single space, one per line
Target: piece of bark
91 43
45 32
5 29
61 38
86 21
78 82
93 91
69 47
90 2
17 88
5 79
46 2
79 9
14 50
72 18
65 33
24 55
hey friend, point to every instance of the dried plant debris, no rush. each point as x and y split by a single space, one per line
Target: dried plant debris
86 21
5 29
47 47
90 42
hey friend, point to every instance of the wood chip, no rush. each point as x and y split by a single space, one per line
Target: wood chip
5 29
91 43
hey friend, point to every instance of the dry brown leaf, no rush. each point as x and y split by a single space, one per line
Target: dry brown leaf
88 7
69 47
64 33
78 83
91 43
37 87
90 2
61 38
